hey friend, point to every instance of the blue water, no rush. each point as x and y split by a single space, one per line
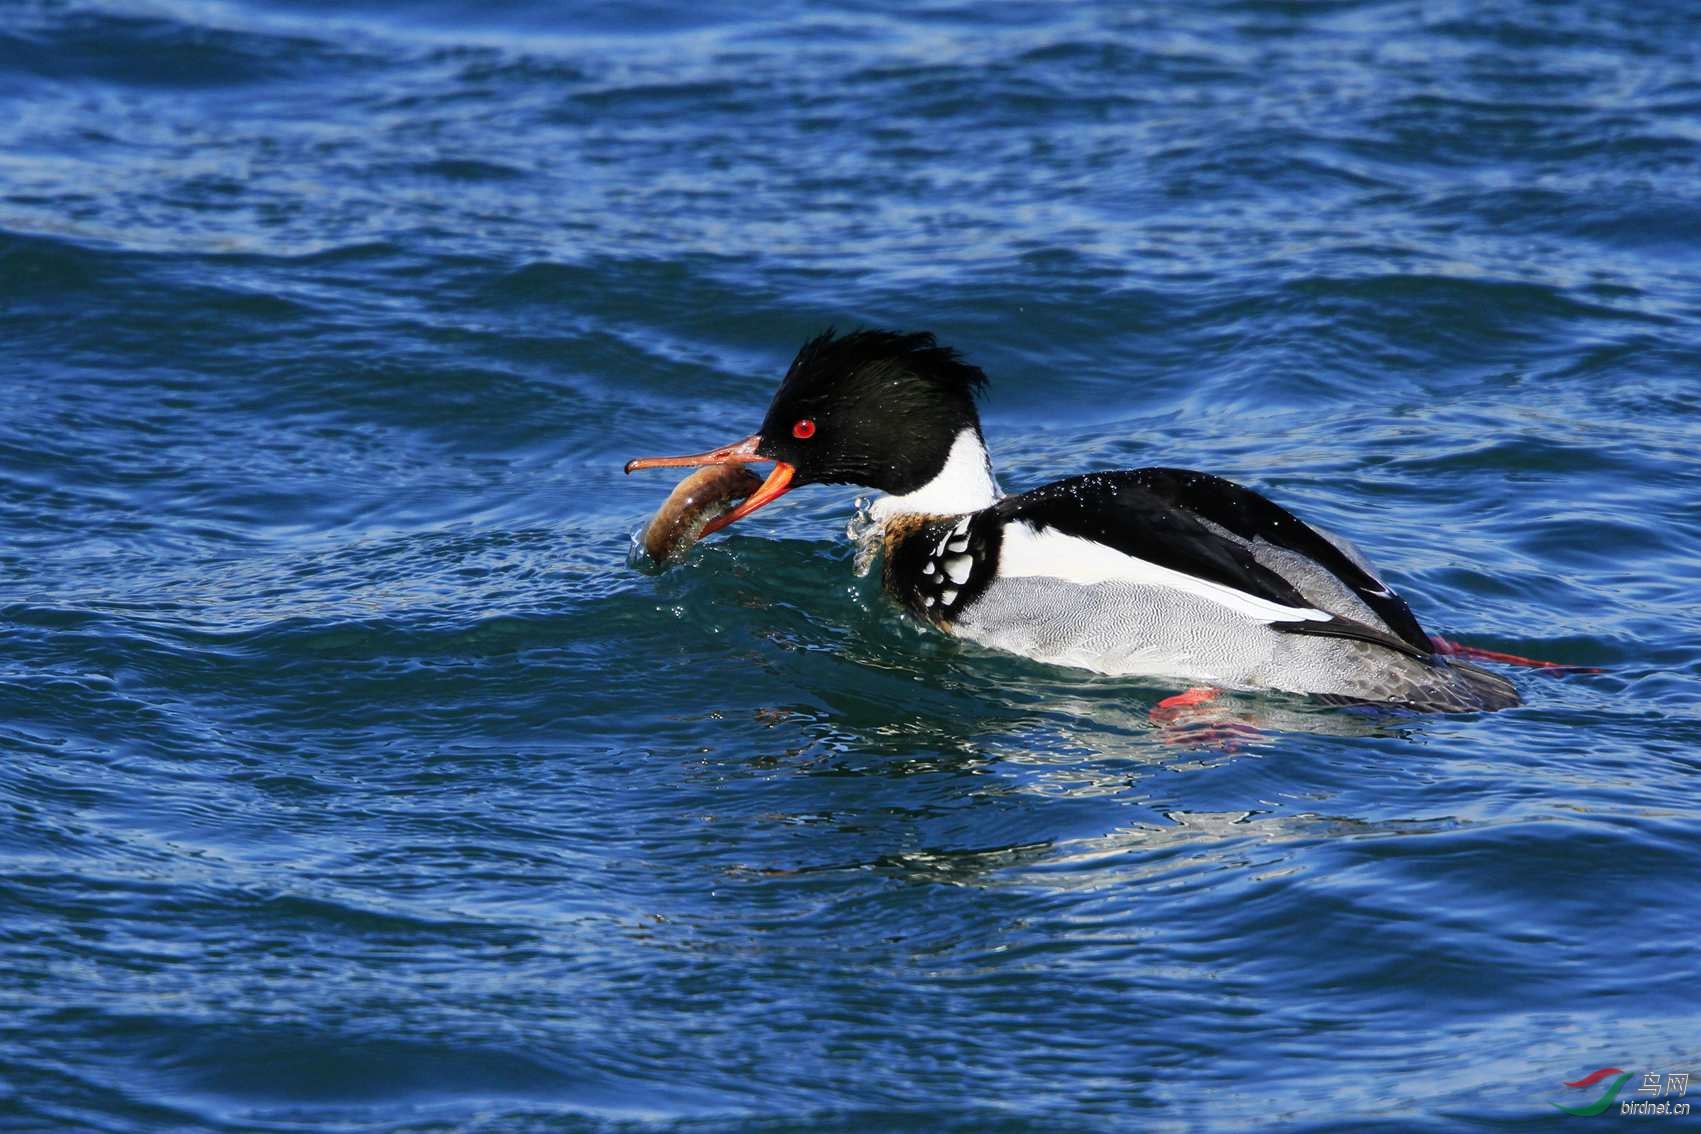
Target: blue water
352 781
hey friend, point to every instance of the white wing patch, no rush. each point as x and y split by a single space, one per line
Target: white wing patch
1031 552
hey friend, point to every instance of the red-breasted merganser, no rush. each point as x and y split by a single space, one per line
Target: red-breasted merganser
1159 572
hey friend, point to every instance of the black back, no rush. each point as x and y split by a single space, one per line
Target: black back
1252 516
1156 515
1117 510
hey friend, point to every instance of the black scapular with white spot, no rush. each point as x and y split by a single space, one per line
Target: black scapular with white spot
943 564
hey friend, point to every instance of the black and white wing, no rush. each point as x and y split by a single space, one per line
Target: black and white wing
1260 521
1158 527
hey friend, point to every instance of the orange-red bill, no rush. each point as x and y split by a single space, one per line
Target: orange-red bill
739 452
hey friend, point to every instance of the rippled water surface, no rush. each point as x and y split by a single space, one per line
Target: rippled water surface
352 781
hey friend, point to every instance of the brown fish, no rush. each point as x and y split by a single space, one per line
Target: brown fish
696 501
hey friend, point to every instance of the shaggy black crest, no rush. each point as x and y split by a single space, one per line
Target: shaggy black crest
884 408
874 355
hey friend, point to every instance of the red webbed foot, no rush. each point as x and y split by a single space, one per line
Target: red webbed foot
1188 719
1172 709
1453 649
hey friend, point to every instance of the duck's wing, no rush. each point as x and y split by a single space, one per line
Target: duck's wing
1254 517
1152 526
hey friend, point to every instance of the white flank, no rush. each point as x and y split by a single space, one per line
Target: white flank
1049 554
965 484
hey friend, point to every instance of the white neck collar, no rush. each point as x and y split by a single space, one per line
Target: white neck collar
965 484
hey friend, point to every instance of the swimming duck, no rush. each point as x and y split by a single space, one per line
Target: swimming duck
1159 572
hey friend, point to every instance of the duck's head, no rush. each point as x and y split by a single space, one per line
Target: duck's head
890 411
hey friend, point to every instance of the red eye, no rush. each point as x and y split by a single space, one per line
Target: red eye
804 429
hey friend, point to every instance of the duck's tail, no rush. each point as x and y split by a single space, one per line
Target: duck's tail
1479 689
